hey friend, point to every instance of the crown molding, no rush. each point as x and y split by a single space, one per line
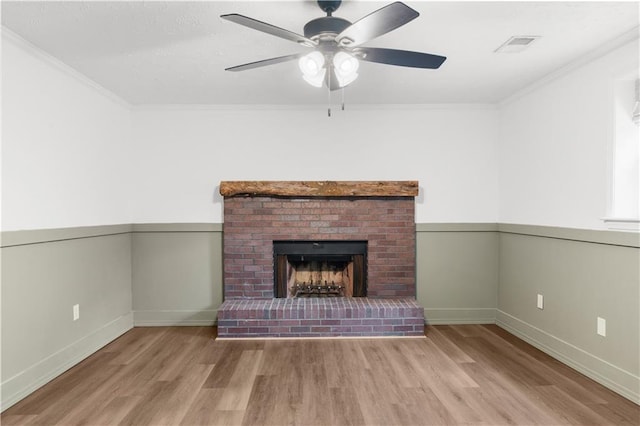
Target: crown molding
35 51
597 53
310 107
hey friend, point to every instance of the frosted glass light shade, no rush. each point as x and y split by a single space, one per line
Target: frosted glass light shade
312 67
346 68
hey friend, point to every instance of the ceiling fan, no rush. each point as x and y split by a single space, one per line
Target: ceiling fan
337 44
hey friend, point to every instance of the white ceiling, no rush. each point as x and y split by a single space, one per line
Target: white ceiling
158 52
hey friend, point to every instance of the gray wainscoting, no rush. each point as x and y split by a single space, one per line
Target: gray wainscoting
171 274
177 274
45 273
582 275
457 272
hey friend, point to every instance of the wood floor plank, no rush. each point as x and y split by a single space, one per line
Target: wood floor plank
201 411
379 376
552 371
569 379
191 343
265 398
620 414
130 346
227 361
447 368
277 357
502 357
337 364
398 364
73 387
108 399
446 345
453 398
458 375
241 382
346 409
504 391
422 406
178 401
112 412
316 407
567 407
154 362
375 409
141 414
56 390
18 419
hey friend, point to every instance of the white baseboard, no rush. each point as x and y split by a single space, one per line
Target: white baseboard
445 316
174 318
22 384
618 380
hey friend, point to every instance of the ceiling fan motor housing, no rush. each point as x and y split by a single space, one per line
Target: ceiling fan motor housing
325 25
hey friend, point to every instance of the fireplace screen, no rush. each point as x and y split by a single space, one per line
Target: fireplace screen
320 268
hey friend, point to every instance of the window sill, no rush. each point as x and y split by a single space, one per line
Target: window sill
622 224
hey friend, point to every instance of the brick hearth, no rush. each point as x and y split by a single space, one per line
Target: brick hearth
319 317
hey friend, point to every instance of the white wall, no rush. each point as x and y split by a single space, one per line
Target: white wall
555 146
73 156
65 163
65 145
181 155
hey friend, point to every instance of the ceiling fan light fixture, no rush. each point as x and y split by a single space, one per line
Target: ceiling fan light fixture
312 63
312 67
346 68
315 81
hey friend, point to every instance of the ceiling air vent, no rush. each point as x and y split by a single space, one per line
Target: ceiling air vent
516 44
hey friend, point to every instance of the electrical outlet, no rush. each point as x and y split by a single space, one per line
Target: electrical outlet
540 301
76 312
602 327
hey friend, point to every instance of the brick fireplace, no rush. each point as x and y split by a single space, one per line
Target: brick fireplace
260 215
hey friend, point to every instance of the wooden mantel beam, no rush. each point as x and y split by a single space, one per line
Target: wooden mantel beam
408 188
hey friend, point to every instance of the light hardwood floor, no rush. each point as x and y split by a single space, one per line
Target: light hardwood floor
467 374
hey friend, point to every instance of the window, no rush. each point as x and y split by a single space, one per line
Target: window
624 206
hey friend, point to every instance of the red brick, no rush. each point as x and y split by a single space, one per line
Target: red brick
253 224
279 330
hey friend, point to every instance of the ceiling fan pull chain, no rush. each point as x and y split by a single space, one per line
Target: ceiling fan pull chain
342 98
329 94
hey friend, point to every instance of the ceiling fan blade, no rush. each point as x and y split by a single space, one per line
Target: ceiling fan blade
269 29
376 24
402 58
265 62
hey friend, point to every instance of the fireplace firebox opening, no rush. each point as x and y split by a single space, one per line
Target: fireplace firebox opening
320 269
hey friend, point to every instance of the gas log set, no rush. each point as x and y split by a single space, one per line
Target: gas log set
317 290
320 268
